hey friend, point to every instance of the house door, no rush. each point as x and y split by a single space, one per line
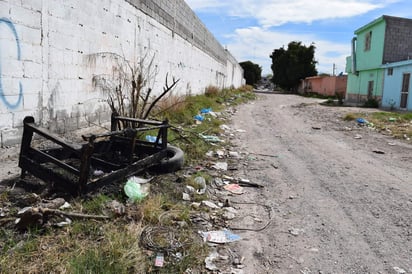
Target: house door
405 90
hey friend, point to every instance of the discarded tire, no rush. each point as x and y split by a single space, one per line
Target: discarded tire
173 161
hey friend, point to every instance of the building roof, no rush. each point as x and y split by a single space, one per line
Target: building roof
378 20
397 64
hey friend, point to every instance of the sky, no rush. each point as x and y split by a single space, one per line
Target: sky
252 29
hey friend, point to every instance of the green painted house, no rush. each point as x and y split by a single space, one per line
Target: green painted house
385 40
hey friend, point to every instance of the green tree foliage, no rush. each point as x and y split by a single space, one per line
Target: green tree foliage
252 72
291 65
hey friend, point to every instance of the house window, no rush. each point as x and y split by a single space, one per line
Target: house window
390 71
368 40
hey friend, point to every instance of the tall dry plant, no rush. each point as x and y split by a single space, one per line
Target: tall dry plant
130 85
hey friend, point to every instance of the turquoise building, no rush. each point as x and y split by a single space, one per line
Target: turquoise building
397 84
383 41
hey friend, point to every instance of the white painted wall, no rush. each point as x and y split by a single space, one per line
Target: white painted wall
46 70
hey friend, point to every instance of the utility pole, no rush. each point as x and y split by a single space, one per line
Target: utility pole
334 68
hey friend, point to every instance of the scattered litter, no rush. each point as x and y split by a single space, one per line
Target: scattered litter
201 184
210 204
240 130
246 182
199 118
66 205
209 261
347 129
357 136
361 121
66 222
219 236
195 205
218 182
234 154
234 188
190 189
392 119
98 172
224 127
210 138
117 208
185 197
392 144
205 110
316 128
220 166
220 153
399 270
134 190
159 261
274 166
151 138
54 204
295 231
377 151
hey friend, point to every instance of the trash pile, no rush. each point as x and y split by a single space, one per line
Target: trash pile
207 189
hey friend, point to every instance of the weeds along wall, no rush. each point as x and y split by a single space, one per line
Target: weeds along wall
52 50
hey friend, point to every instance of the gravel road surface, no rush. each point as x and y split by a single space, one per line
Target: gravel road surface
338 196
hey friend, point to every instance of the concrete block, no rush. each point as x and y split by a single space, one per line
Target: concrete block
11 67
34 5
32 70
10 136
26 17
6 119
18 116
31 86
31 101
29 36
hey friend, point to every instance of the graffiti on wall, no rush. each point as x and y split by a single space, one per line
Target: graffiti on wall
3 97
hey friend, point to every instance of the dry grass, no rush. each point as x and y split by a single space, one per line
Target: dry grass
107 248
212 91
171 103
396 124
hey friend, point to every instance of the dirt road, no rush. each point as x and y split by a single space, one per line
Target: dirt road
334 205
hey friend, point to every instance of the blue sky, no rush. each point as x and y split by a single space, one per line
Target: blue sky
252 29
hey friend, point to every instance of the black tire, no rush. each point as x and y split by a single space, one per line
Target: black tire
173 161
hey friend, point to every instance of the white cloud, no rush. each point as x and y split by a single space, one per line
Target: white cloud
275 13
198 5
278 12
257 44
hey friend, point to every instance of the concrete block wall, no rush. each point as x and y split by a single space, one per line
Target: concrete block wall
398 39
50 50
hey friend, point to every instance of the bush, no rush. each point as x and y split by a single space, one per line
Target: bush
371 103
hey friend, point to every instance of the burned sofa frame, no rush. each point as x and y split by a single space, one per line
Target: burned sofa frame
104 158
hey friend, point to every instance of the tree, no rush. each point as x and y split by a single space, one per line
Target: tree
252 72
291 65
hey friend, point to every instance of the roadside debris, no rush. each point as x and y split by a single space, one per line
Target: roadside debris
30 216
377 151
134 189
219 236
234 188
